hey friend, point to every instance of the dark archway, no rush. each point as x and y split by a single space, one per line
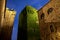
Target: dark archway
42 16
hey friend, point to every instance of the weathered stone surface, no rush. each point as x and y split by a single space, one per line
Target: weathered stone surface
8 22
2 11
50 21
7 25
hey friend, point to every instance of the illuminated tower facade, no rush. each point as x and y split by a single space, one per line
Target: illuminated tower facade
2 11
49 20
8 22
28 27
9 17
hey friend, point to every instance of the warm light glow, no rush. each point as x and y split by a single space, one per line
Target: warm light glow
9 17
58 34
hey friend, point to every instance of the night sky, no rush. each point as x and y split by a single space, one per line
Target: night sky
18 6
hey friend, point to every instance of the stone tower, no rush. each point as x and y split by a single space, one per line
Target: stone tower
49 20
8 22
2 11
9 17
28 27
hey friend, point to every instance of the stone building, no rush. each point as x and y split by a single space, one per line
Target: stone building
49 20
8 22
2 11
28 26
9 17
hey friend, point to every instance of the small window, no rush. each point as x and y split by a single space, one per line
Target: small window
51 28
42 15
50 10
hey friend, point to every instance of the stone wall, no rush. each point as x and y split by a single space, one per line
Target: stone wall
2 11
49 20
6 30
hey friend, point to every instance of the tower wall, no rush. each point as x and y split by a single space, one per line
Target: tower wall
2 11
6 32
49 20
6 21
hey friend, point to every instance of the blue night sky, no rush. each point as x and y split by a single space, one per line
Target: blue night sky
18 6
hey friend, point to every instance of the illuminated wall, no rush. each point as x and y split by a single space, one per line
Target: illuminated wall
2 11
49 20
9 17
28 27
52 11
8 22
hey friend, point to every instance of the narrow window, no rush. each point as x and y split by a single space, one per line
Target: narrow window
51 28
49 10
42 16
